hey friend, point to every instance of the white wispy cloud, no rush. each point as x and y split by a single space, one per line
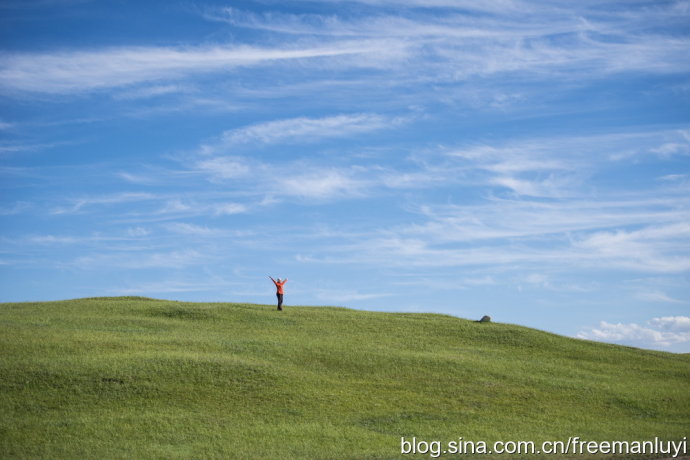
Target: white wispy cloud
302 130
138 232
14 147
666 144
658 332
144 177
531 234
97 239
87 70
321 183
548 167
173 259
202 205
148 92
557 166
298 177
453 25
515 37
528 155
174 206
15 208
444 282
52 239
337 295
79 204
184 228
672 323
657 296
572 41
171 287
549 187
652 248
673 177
496 6
680 146
498 218
225 167
220 209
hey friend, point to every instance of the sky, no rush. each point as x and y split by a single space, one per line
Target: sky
526 160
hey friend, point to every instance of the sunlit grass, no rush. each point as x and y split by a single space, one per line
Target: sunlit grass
143 378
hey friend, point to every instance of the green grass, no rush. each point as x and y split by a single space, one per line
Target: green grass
143 378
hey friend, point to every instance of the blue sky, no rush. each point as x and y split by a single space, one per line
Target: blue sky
525 160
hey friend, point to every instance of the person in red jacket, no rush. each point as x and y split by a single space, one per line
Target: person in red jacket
279 291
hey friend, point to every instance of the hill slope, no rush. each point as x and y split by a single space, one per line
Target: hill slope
136 377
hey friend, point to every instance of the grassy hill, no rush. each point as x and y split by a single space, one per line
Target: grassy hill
144 378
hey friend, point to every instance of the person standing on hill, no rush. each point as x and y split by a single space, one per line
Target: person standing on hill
279 291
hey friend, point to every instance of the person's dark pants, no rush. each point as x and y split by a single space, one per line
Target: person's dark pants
280 301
